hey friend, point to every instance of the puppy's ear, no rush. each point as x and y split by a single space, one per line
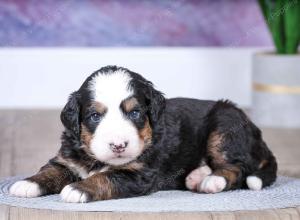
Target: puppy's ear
156 104
71 113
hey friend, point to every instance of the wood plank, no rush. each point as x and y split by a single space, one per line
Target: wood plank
17 213
278 137
147 216
36 214
7 144
288 213
4 212
282 214
223 216
268 214
38 136
285 145
291 169
298 210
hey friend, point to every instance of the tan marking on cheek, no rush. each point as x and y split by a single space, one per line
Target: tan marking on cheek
145 134
214 145
129 104
86 136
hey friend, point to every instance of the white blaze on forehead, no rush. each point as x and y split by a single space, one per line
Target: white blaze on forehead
112 88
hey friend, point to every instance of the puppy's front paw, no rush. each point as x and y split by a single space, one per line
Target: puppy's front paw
212 184
71 194
25 188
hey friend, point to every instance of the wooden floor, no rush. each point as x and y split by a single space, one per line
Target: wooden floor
30 137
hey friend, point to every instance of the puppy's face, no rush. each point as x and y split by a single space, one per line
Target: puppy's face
116 115
115 125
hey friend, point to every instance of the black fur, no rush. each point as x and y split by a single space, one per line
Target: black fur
180 131
70 114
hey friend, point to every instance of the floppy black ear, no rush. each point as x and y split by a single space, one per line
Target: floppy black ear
156 104
70 114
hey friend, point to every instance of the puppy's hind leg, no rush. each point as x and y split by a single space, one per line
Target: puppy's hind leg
225 174
234 149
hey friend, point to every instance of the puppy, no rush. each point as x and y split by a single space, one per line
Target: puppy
122 138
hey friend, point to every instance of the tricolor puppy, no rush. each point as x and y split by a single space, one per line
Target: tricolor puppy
122 138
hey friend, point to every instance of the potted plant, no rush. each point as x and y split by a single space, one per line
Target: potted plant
276 75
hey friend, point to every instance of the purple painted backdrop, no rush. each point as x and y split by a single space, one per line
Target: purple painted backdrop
132 23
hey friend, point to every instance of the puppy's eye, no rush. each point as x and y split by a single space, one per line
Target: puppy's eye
95 117
135 114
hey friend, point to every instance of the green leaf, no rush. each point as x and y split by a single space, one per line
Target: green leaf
292 26
278 26
274 20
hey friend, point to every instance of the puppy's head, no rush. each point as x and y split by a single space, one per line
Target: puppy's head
113 114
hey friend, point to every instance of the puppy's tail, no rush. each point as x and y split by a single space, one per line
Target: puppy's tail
264 176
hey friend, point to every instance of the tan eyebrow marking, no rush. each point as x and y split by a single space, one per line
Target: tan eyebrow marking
129 104
99 107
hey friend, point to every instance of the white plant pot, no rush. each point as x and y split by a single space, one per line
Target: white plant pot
276 90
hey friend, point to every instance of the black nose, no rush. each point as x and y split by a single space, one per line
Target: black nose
118 148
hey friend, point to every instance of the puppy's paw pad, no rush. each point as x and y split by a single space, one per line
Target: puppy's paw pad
70 194
196 177
25 188
212 184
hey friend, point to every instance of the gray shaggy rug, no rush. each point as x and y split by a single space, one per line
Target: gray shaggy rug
285 192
